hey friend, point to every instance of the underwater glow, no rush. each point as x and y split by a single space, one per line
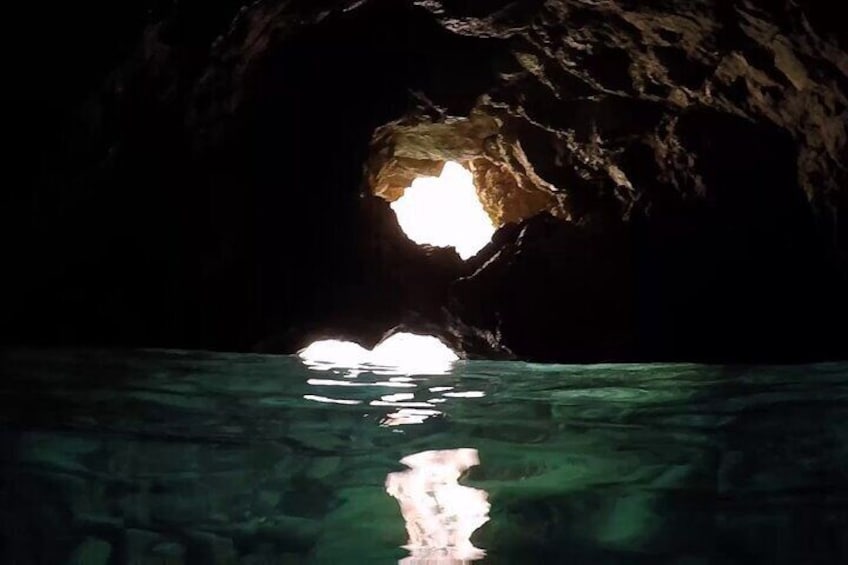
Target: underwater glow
440 513
401 353
445 211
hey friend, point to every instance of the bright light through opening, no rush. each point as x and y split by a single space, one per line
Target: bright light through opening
445 211
402 352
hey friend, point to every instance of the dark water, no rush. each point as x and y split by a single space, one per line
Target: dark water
171 457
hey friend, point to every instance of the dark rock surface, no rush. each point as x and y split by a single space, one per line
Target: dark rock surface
194 177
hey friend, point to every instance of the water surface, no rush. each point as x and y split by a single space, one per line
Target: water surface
177 457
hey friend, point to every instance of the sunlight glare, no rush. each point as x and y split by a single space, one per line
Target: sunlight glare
413 353
445 211
330 353
401 353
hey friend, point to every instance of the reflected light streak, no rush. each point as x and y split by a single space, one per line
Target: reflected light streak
332 382
326 400
440 514
397 397
466 394
401 404
406 416
400 353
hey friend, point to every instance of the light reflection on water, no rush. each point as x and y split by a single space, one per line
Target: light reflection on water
415 406
408 360
617 465
327 400
406 416
440 514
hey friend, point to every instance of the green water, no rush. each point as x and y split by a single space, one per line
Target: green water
155 457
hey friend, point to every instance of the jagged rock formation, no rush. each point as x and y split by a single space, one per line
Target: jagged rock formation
688 157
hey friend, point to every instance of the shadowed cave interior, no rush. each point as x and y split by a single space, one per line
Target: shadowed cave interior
666 186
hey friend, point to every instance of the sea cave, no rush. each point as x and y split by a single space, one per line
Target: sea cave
413 281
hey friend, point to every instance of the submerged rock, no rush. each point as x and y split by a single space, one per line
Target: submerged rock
92 551
204 547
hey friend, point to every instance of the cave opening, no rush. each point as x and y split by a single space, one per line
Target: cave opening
445 211
402 352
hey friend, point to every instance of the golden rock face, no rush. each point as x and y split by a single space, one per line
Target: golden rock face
507 186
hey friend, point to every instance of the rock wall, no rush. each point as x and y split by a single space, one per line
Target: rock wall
211 190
